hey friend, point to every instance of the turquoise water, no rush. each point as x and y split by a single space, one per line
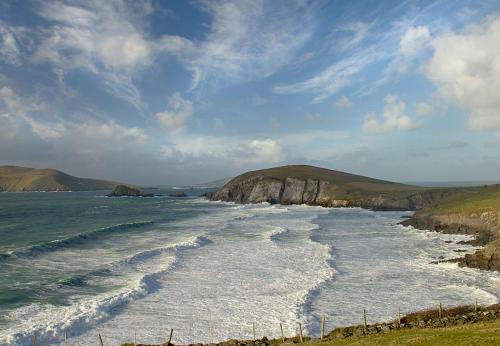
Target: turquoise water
85 264
32 225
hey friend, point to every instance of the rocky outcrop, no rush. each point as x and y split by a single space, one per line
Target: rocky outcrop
485 228
178 194
310 191
127 191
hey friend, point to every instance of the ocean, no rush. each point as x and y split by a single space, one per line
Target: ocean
84 264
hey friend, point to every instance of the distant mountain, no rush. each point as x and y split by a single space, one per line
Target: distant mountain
23 179
301 184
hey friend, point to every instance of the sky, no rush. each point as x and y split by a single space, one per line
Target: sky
183 92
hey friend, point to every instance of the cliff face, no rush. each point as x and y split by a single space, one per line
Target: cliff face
316 186
484 226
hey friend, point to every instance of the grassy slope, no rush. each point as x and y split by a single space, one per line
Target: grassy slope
13 178
346 184
472 201
487 333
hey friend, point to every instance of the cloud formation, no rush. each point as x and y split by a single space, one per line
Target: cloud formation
466 69
393 118
175 117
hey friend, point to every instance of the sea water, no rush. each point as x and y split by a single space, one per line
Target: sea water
83 264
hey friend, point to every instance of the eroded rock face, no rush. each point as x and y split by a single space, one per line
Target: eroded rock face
310 191
266 191
291 190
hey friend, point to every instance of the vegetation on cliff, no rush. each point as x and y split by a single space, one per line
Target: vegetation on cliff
318 186
23 179
474 211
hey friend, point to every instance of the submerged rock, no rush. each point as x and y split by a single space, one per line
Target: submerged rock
123 190
178 194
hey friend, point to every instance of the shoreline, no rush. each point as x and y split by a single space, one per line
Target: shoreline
487 258
483 230
441 317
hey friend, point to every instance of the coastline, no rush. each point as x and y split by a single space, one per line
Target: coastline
440 320
484 227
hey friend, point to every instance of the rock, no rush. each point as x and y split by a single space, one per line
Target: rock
178 194
123 190
318 186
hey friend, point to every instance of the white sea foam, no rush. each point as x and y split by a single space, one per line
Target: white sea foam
238 264
50 322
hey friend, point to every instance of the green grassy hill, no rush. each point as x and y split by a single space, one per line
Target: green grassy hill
23 179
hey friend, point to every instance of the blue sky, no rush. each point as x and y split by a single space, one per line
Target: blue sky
179 92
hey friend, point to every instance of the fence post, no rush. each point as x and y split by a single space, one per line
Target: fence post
300 331
65 338
399 317
282 335
323 328
364 317
33 340
475 306
440 310
135 338
100 340
170 337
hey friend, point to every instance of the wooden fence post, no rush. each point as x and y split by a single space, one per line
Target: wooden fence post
364 317
323 328
475 305
100 340
170 337
33 340
65 338
399 317
282 335
300 331
440 310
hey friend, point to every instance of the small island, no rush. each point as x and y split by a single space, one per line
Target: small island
127 191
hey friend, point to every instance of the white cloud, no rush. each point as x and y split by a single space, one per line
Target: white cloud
20 109
466 69
9 49
20 112
248 39
422 108
111 131
357 31
103 37
335 77
393 119
185 146
180 110
263 149
344 102
414 40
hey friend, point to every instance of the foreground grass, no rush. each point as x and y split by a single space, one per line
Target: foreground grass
485 333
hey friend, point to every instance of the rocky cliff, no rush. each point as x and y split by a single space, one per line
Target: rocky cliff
317 186
473 211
